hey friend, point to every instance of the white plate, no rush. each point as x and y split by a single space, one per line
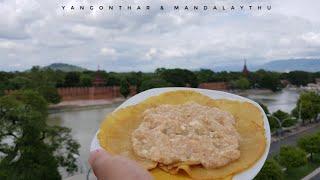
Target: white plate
245 175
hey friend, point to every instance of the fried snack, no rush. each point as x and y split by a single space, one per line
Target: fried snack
116 132
188 133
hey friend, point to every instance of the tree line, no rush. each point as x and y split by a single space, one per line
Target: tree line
46 80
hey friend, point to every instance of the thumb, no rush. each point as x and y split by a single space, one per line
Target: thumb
96 154
100 161
106 166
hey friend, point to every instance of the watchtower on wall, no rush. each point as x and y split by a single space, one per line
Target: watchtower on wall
98 80
245 70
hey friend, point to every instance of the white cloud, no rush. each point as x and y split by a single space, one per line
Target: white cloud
84 31
312 38
7 44
15 65
151 53
174 53
108 52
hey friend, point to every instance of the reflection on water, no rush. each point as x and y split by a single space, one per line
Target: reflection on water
284 100
84 123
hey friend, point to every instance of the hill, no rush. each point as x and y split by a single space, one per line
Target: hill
65 67
311 65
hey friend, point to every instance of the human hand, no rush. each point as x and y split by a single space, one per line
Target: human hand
108 167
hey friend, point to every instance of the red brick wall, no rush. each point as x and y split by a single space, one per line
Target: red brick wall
83 93
77 93
8 91
215 86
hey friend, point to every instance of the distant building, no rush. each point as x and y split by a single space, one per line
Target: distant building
222 86
313 86
245 70
285 82
98 81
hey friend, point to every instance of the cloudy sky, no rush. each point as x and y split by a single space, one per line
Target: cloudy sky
37 32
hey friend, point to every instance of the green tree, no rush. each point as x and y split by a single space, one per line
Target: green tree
205 75
265 108
225 76
153 83
271 170
265 79
113 79
138 80
270 81
20 82
284 118
29 149
291 156
85 80
124 88
57 77
179 77
308 106
274 124
299 78
135 79
310 143
42 81
159 71
50 93
72 79
241 83
2 93
4 79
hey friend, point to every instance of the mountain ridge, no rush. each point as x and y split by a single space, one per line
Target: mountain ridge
311 65
65 67
284 65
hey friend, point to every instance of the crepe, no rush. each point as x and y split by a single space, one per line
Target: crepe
116 131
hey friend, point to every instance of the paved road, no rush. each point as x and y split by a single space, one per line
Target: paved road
317 177
291 140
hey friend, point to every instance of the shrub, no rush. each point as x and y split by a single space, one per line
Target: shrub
271 170
242 83
310 143
285 118
124 88
309 102
291 157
